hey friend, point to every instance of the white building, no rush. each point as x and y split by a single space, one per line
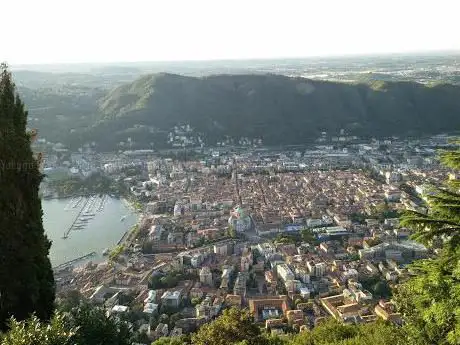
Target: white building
177 210
171 299
305 292
151 297
221 249
150 308
302 274
317 269
284 272
196 260
206 276
119 309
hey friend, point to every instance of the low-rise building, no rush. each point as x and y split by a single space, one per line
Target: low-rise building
206 276
171 298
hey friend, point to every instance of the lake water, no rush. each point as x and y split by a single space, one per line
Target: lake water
102 231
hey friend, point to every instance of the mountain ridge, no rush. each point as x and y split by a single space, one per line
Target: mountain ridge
280 109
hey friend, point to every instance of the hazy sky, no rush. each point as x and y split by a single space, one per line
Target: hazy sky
48 31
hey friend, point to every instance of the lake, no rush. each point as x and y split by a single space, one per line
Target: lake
101 231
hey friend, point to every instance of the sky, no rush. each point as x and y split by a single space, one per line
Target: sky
75 31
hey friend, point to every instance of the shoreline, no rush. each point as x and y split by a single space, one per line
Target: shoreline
80 260
61 197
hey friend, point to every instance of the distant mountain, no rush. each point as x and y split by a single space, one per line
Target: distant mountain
279 109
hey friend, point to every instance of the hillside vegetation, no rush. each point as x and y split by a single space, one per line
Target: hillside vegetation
279 109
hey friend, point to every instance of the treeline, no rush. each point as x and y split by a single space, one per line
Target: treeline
96 183
278 109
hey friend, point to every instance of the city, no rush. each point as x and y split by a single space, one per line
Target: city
296 234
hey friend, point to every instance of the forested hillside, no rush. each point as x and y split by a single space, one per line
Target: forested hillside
279 109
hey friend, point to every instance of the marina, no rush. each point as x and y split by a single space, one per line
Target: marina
96 228
89 207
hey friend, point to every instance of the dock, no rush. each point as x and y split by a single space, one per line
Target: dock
71 262
123 238
67 232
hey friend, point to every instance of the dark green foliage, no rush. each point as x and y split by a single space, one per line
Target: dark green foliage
83 325
383 211
378 287
224 330
277 108
33 331
232 326
287 238
443 218
173 319
332 332
231 232
167 281
430 301
381 289
171 341
308 236
94 184
358 218
195 301
95 328
69 300
26 277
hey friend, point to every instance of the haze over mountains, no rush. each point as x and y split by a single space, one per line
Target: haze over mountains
281 102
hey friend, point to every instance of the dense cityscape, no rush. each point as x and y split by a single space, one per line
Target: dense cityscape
295 234
229 173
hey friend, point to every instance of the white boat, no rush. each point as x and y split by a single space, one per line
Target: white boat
106 252
85 219
122 219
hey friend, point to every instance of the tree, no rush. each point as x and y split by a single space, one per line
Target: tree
381 289
383 211
96 328
230 232
443 217
174 318
286 239
26 276
332 332
234 325
33 331
69 300
358 218
297 302
164 318
195 301
430 301
170 341
140 338
308 236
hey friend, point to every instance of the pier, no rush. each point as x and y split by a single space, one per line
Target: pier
123 238
71 262
67 232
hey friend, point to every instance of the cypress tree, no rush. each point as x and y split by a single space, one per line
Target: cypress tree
26 276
